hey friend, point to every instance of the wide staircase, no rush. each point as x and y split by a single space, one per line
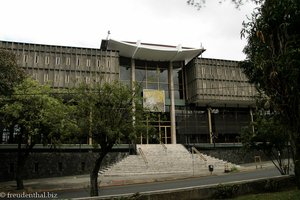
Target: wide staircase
166 159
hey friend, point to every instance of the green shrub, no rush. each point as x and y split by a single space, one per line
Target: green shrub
135 196
271 186
234 169
225 191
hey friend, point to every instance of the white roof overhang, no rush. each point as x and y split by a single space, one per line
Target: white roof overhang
153 52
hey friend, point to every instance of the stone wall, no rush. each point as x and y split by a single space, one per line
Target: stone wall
46 164
235 155
217 191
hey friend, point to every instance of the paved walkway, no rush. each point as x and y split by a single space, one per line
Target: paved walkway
82 181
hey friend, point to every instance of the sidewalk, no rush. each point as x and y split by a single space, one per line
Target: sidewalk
82 181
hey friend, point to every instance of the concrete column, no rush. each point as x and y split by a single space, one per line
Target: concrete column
209 125
172 101
132 84
132 81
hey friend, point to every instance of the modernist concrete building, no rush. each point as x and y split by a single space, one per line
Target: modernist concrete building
196 100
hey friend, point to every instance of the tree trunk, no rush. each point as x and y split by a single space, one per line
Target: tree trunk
94 175
297 165
94 184
20 170
23 154
19 179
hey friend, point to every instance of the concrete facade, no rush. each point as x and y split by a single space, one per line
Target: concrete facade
65 67
215 82
206 100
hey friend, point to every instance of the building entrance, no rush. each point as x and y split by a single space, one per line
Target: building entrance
158 130
165 134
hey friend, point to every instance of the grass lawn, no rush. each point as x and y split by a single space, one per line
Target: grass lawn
291 194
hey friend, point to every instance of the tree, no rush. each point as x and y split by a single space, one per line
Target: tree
10 73
267 134
108 113
33 116
272 63
201 3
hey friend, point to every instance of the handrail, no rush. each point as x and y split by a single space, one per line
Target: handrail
164 146
194 150
143 156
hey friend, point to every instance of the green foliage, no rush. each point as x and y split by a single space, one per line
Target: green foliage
135 196
234 169
273 56
226 191
272 64
106 113
40 117
110 113
271 186
292 194
268 135
198 4
10 73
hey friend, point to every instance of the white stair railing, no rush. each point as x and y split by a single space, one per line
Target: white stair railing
143 156
194 150
164 146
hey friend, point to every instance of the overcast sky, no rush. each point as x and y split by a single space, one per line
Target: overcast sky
84 23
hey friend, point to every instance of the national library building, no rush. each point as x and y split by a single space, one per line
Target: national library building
196 100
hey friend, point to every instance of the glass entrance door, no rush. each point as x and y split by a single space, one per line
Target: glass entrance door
165 134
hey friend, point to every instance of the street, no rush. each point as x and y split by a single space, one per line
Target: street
182 183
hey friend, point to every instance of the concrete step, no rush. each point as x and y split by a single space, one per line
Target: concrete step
172 159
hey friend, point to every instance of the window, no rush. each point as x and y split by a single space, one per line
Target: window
67 78
233 73
87 79
36 59
47 60
68 61
220 88
78 62
203 70
5 136
210 71
88 62
57 60
219 72
46 77
204 87
98 63
56 78
235 89
250 90
25 58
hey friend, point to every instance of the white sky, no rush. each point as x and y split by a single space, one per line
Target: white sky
85 22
